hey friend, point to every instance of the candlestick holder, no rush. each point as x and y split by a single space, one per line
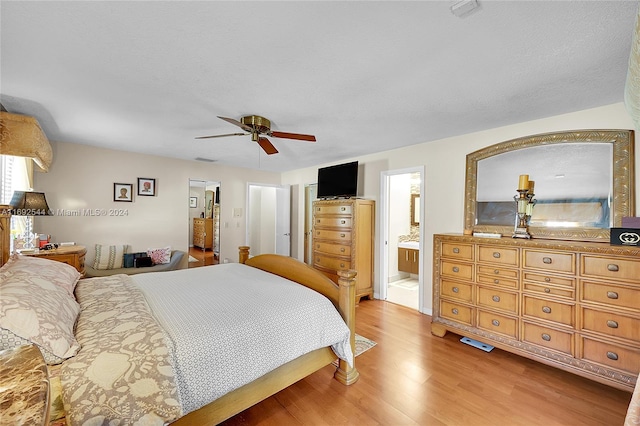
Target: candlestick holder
524 208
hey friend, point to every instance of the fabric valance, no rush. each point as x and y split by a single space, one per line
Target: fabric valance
21 135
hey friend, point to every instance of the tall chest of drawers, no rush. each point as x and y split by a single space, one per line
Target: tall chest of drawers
572 305
343 238
203 233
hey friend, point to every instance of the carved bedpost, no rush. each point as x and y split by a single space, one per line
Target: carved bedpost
347 282
243 254
5 233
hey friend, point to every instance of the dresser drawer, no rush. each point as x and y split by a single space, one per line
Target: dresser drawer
610 294
498 272
562 313
332 248
496 323
612 324
497 299
549 279
498 281
328 262
610 267
334 209
456 312
550 261
324 234
461 271
498 255
457 251
547 337
545 289
333 222
456 290
612 355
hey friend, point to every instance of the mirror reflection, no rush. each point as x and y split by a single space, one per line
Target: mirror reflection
583 184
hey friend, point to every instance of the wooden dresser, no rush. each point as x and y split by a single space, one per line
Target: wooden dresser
71 255
203 233
573 305
343 238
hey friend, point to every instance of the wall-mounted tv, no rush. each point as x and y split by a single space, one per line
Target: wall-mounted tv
338 181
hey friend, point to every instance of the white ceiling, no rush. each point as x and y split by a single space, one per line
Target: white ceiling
361 76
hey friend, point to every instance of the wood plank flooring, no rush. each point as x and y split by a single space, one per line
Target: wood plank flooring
414 378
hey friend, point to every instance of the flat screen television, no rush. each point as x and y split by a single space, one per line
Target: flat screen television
338 181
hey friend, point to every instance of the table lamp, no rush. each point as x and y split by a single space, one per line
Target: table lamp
27 203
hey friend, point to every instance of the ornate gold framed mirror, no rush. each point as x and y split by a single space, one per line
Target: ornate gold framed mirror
584 184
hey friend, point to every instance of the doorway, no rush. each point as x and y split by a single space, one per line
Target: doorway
268 219
401 279
310 195
204 223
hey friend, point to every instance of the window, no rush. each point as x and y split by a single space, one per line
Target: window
17 175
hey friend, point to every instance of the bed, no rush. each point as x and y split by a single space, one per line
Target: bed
128 365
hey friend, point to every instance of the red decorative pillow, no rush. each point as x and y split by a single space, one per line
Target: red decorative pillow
160 256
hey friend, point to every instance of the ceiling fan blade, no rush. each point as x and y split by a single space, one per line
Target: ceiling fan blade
297 136
237 123
267 146
221 136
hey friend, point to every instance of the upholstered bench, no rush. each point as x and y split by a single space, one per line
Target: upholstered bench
175 263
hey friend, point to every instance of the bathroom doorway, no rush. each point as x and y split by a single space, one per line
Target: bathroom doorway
401 268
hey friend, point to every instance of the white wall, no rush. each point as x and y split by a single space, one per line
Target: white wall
445 161
82 177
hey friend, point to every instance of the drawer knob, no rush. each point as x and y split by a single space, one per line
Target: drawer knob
547 279
454 311
317 220
342 235
456 269
495 323
547 260
546 309
546 337
495 298
496 255
613 267
612 355
612 324
455 290
343 222
342 265
456 250
496 281
612 295
342 250
496 271
547 290
343 208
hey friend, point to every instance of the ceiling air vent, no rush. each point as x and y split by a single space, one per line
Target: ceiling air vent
206 160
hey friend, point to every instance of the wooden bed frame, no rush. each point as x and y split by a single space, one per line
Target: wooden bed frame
341 295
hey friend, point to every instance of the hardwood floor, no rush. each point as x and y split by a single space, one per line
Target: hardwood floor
205 257
413 378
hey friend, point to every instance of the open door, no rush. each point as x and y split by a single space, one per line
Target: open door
269 219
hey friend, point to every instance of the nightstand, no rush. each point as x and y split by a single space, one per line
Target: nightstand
71 255
24 386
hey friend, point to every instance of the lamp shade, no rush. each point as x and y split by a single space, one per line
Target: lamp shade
27 203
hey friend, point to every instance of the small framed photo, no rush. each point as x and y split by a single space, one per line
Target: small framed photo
123 192
146 186
193 202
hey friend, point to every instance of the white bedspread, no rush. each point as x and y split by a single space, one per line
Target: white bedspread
230 324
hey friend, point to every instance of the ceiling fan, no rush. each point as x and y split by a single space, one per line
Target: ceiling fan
258 126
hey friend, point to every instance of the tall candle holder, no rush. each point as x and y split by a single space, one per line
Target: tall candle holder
524 208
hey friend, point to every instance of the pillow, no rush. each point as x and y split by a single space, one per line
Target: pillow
35 309
109 257
160 256
58 273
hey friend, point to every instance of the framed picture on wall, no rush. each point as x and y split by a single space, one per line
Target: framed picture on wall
193 202
146 186
123 192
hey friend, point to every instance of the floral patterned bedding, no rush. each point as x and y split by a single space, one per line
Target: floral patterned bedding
123 371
